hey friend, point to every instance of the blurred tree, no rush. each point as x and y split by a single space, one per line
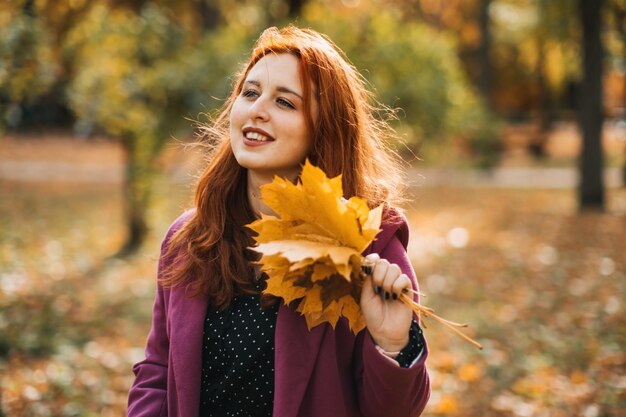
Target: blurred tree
415 69
137 76
27 65
468 21
484 51
209 13
617 9
521 54
295 8
555 26
120 87
591 188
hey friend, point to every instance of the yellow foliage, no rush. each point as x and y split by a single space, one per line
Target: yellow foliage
470 372
578 377
312 252
538 384
447 404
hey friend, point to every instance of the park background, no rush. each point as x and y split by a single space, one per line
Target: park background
512 115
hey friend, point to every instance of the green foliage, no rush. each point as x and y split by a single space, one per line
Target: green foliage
138 77
137 74
413 68
119 58
202 71
28 67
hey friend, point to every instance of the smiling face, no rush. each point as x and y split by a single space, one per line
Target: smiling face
268 129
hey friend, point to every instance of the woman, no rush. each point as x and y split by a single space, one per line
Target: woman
216 347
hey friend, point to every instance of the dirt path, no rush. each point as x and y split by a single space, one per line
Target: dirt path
62 158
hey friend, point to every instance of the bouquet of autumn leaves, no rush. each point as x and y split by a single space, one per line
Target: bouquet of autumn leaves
312 251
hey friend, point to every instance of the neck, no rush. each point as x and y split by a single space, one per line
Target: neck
255 181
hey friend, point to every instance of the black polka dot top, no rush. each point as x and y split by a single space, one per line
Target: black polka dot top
238 360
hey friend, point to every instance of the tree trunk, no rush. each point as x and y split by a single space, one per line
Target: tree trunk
137 189
28 8
591 187
484 52
540 140
210 15
295 8
619 15
624 114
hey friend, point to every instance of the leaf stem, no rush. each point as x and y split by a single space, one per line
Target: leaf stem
430 313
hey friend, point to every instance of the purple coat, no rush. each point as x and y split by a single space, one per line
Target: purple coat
318 373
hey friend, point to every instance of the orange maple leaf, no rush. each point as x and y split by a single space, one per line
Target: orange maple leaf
312 251
318 238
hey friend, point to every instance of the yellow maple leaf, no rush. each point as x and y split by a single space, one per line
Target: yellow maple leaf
323 270
312 251
312 301
350 308
318 202
298 250
330 314
285 289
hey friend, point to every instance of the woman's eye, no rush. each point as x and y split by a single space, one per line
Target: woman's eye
285 103
249 93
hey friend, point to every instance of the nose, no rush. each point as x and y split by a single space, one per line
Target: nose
258 109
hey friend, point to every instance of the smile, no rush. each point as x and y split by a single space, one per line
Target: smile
257 135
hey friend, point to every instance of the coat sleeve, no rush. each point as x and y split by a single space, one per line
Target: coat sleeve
148 394
385 388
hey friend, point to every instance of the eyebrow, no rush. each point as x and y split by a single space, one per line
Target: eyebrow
280 88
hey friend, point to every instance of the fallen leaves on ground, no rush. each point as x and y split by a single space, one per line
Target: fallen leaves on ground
543 283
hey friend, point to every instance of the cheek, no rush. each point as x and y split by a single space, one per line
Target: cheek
236 112
301 131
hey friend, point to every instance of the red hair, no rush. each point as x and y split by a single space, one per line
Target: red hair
211 248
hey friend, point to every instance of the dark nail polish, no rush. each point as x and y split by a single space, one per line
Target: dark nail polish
386 295
394 296
377 290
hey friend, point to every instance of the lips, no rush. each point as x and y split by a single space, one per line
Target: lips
257 135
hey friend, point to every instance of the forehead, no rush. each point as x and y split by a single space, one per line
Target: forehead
283 68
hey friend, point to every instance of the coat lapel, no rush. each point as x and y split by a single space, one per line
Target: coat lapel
186 332
296 353
297 348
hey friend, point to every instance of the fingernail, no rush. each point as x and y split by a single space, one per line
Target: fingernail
394 296
366 266
377 290
386 295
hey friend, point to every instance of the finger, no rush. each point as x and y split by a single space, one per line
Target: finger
367 263
373 257
399 285
393 272
380 272
368 288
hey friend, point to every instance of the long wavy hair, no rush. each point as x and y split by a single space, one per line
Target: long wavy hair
350 137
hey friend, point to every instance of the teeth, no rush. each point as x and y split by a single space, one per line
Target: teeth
256 136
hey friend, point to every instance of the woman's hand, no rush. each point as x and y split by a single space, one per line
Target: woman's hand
387 318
